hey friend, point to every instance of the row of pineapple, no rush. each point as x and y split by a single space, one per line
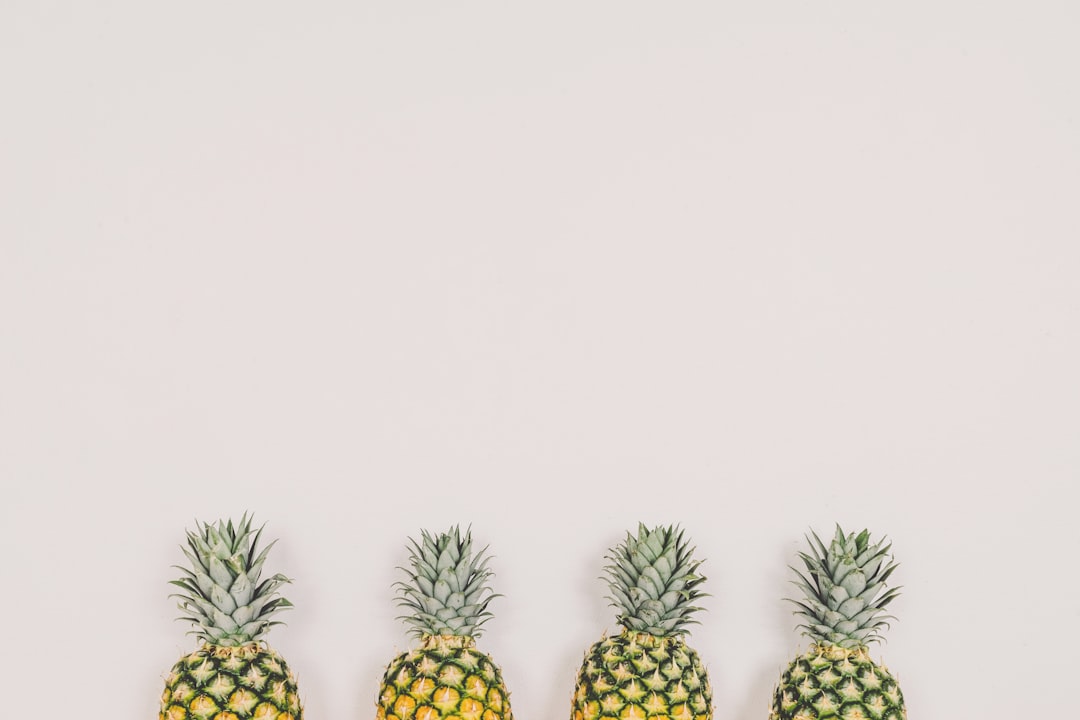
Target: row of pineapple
646 672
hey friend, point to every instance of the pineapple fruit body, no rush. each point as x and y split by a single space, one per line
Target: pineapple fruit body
446 677
635 676
647 670
233 675
842 605
831 681
231 683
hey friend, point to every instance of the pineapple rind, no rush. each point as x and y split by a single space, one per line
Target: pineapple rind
231 683
446 677
832 681
610 684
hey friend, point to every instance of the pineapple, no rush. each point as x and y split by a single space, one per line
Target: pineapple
647 670
232 675
843 612
447 595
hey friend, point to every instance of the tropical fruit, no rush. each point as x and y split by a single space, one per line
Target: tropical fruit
647 670
446 596
843 610
233 674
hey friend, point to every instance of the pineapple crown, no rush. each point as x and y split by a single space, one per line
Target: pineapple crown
447 592
222 594
653 581
841 604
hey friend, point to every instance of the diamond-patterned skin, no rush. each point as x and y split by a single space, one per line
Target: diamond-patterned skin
231 683
445 678
636 676
836 682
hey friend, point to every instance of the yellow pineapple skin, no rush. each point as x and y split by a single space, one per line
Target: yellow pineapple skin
246 682
446 678
637 676
828 681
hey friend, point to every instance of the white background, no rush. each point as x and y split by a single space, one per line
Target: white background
363 268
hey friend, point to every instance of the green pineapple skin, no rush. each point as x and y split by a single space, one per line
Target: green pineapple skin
637 676
835 682
445 677
231 683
